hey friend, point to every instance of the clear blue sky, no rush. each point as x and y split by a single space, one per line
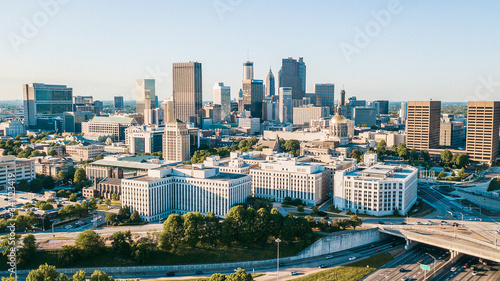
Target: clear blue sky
440 50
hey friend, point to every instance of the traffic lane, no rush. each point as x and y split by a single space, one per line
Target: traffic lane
412 268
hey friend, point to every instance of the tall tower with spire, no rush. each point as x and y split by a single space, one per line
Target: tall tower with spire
270 86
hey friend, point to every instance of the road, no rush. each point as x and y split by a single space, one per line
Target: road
490 272
408 264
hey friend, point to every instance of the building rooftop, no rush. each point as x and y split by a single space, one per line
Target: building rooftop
113 181
382 171
140 158
128 164
113 119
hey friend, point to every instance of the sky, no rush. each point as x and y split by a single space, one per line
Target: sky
396 50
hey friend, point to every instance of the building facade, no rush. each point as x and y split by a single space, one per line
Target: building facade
304 114
324 94
285 105
293 75
270 84
147 140
222 97
423 124
452 134
187 92
176 142
12 128
82 152
253 96
113 127
118 103
483 120
13 169
145 89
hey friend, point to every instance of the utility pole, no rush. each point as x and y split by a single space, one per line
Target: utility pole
433 275
278 260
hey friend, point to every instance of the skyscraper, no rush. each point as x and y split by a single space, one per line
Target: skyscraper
222 96
118 103
168 110
187 92
253 96
143 87
44 103
342 98
176 145
382 106
293 74
423 124
483 120
247 70
324 94
270 86
285 105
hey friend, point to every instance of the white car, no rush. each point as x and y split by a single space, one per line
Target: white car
474 273
352 258
329 257
453 269
294 273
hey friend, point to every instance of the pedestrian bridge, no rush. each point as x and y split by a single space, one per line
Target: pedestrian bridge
456 243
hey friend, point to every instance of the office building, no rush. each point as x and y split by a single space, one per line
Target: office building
378 190
303 115
44 103
72 121
187 92
403 112
382 106
145 140
176 141
182 189
13 169
12 128
423 124
104 188
364 116
250 123
118 103
452 134
483 120
324 94
222 96
113 127
253 96
248 70
293 75
281 176
81 152
144 89
168 110
212 111
270 84
125 166
285 105
270 110
154 117
342 98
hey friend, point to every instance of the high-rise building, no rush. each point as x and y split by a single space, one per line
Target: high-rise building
222 96
212 111
364 116
342 98
145 140
168 110
44 103
324 94
452 134
154 117
187 92
16 169
270 86
483 121
285 105
176 142
423 124
382 106
118 103
253 96
304 114
142 88
247 70
403 112
83 99
293 74
113 127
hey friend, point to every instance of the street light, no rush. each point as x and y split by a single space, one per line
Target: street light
278 262
433 275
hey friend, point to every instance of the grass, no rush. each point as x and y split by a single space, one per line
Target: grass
197 255
207 278
352 272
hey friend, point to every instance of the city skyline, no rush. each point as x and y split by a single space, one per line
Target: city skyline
410 46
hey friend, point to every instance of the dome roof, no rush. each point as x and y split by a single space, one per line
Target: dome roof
338 118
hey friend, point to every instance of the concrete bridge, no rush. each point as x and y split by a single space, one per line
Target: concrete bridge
456 243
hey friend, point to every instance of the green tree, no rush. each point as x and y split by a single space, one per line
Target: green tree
23 185
414 154
62 175
121 243
44 272
90 242
402 151
110 217
441 175
135 217
343 223
36 185
80 175
124 213
240 275
72 197
355 221
424 154
288 230
107 202
311 221
446 156
143 250
212 229
356 154
217 277
300 208
292 147
315 209
68 255
114 197
99 275
462 160
52 152
79 276
173 232
193 221
381 147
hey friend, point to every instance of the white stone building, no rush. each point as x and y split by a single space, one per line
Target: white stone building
15 169
377 190
12 128
182 189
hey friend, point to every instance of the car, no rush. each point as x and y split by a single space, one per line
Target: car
404 278
372 246
282 264
403 223
322 266
453 269
381 222
378 250
419 223
352 258
294 273
466 265
199 272
474 273
329 257
170 273
444 222
420 261
402 270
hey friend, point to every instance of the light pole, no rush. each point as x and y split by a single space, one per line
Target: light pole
434 274
278 261
53 229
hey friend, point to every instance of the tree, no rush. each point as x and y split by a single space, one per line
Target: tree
107 202
90 242
121 242
143 250
173 232
114 197
356 154
192 223
79 276
68 255
52 152
217 277
44 272
315 209
355 221
23 185
414 154
110 217
424 154
381 147
72 197
441 175
80 175
292 147
402 151
135 217
61 175
124 213
300 208
395 213
446 156
99 275
462 160
240 275
36 185
343 223
287 200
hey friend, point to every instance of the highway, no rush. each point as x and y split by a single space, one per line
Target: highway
408 264
489 272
